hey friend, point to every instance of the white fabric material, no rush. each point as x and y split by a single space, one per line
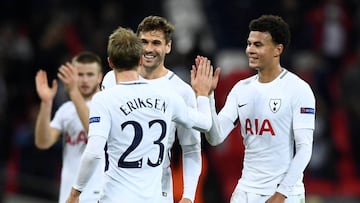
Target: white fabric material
74 143
304 143
109 80
186 136
246 197
90 160
269 114
191 157
136 127
221 126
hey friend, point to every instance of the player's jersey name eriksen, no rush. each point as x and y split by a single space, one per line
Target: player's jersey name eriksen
139 103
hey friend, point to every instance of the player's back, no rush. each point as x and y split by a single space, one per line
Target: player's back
139 118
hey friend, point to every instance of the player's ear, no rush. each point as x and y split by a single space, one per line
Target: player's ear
140 61
278 50
110 63
168 47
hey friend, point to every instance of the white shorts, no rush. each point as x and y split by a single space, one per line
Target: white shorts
247 197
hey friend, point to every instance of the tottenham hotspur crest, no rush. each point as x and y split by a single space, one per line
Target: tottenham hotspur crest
275 105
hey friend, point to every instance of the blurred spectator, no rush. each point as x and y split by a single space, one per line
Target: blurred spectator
308 65
4 140
30 161
191 26
349 84
330 25
38 34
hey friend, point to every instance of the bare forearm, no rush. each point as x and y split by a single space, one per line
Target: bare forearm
43 138
81 108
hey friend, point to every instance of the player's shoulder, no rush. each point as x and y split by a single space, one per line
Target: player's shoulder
294 79
245 82
108 80
66 105
178 83
176 79
104 96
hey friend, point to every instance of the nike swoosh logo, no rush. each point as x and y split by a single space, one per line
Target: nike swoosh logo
241 105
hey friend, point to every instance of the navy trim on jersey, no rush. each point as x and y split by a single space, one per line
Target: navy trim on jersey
133 83
236 121
283 75
171 76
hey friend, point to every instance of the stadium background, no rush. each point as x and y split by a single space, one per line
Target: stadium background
325 51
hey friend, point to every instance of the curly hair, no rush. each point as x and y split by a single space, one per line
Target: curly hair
275 25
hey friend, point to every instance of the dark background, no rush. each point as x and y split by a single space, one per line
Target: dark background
324 51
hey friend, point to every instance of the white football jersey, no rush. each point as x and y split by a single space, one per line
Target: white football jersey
186 136
268 114
68 122
137 128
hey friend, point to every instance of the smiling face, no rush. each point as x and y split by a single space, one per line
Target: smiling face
262 52
155 49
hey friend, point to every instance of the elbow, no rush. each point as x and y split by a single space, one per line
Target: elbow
42 146
208 127
209 124
213 142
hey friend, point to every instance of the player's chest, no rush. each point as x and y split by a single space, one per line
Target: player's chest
264 105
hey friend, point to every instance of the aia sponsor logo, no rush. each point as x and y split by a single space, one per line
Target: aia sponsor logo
79 139
258 127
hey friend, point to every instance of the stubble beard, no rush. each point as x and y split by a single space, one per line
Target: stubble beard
91 93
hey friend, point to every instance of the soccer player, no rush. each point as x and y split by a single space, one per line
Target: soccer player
155 33
82 79
134 119
276 111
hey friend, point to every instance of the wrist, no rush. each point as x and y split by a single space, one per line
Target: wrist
281 195
185 200
74 91
202 93
75 192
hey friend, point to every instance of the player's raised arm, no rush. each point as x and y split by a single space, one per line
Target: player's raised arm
45 136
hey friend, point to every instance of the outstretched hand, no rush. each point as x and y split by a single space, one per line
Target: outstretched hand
199 63
201 77
45 92
68 74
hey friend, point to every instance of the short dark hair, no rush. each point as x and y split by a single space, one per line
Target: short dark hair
152 23
275 25
86 57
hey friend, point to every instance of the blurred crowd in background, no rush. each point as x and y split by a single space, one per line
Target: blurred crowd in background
324 51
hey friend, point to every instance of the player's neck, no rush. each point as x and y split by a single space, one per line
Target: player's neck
89 97
126 76
151 74
269 74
